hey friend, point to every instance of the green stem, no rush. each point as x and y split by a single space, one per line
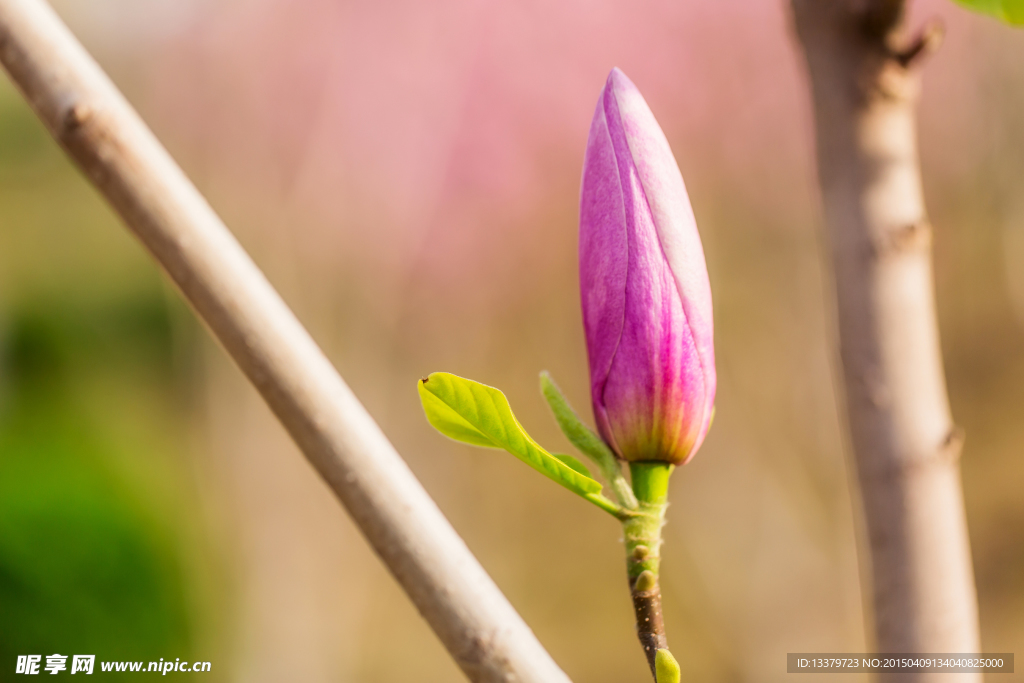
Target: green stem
650 481
609 506
642 533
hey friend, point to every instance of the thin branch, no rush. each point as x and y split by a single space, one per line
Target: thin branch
905 446
92 121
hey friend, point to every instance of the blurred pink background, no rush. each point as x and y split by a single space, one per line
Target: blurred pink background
407 175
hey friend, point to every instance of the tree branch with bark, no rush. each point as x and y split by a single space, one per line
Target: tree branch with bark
864 76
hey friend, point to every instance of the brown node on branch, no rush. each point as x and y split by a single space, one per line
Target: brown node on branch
76 116
926 43
905 239
945 453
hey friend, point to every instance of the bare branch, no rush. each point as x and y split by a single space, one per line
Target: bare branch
92 121
905 445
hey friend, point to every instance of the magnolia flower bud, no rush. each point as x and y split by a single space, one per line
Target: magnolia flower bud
644 286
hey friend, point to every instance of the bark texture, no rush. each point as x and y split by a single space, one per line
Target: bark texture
864 79
650 625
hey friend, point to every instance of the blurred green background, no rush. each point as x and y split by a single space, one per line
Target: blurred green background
407 175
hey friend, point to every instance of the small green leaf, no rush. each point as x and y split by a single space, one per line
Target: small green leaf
477 414
447 421
1010 11
666 668
583 437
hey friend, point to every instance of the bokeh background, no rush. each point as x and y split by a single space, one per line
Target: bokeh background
407 175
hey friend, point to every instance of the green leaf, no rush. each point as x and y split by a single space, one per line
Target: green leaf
583 437
575 464
477 414
1010 11
447 421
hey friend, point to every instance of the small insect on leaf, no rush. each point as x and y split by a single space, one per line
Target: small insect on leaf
480 415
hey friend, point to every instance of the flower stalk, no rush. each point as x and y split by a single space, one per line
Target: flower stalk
642 514
642 536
